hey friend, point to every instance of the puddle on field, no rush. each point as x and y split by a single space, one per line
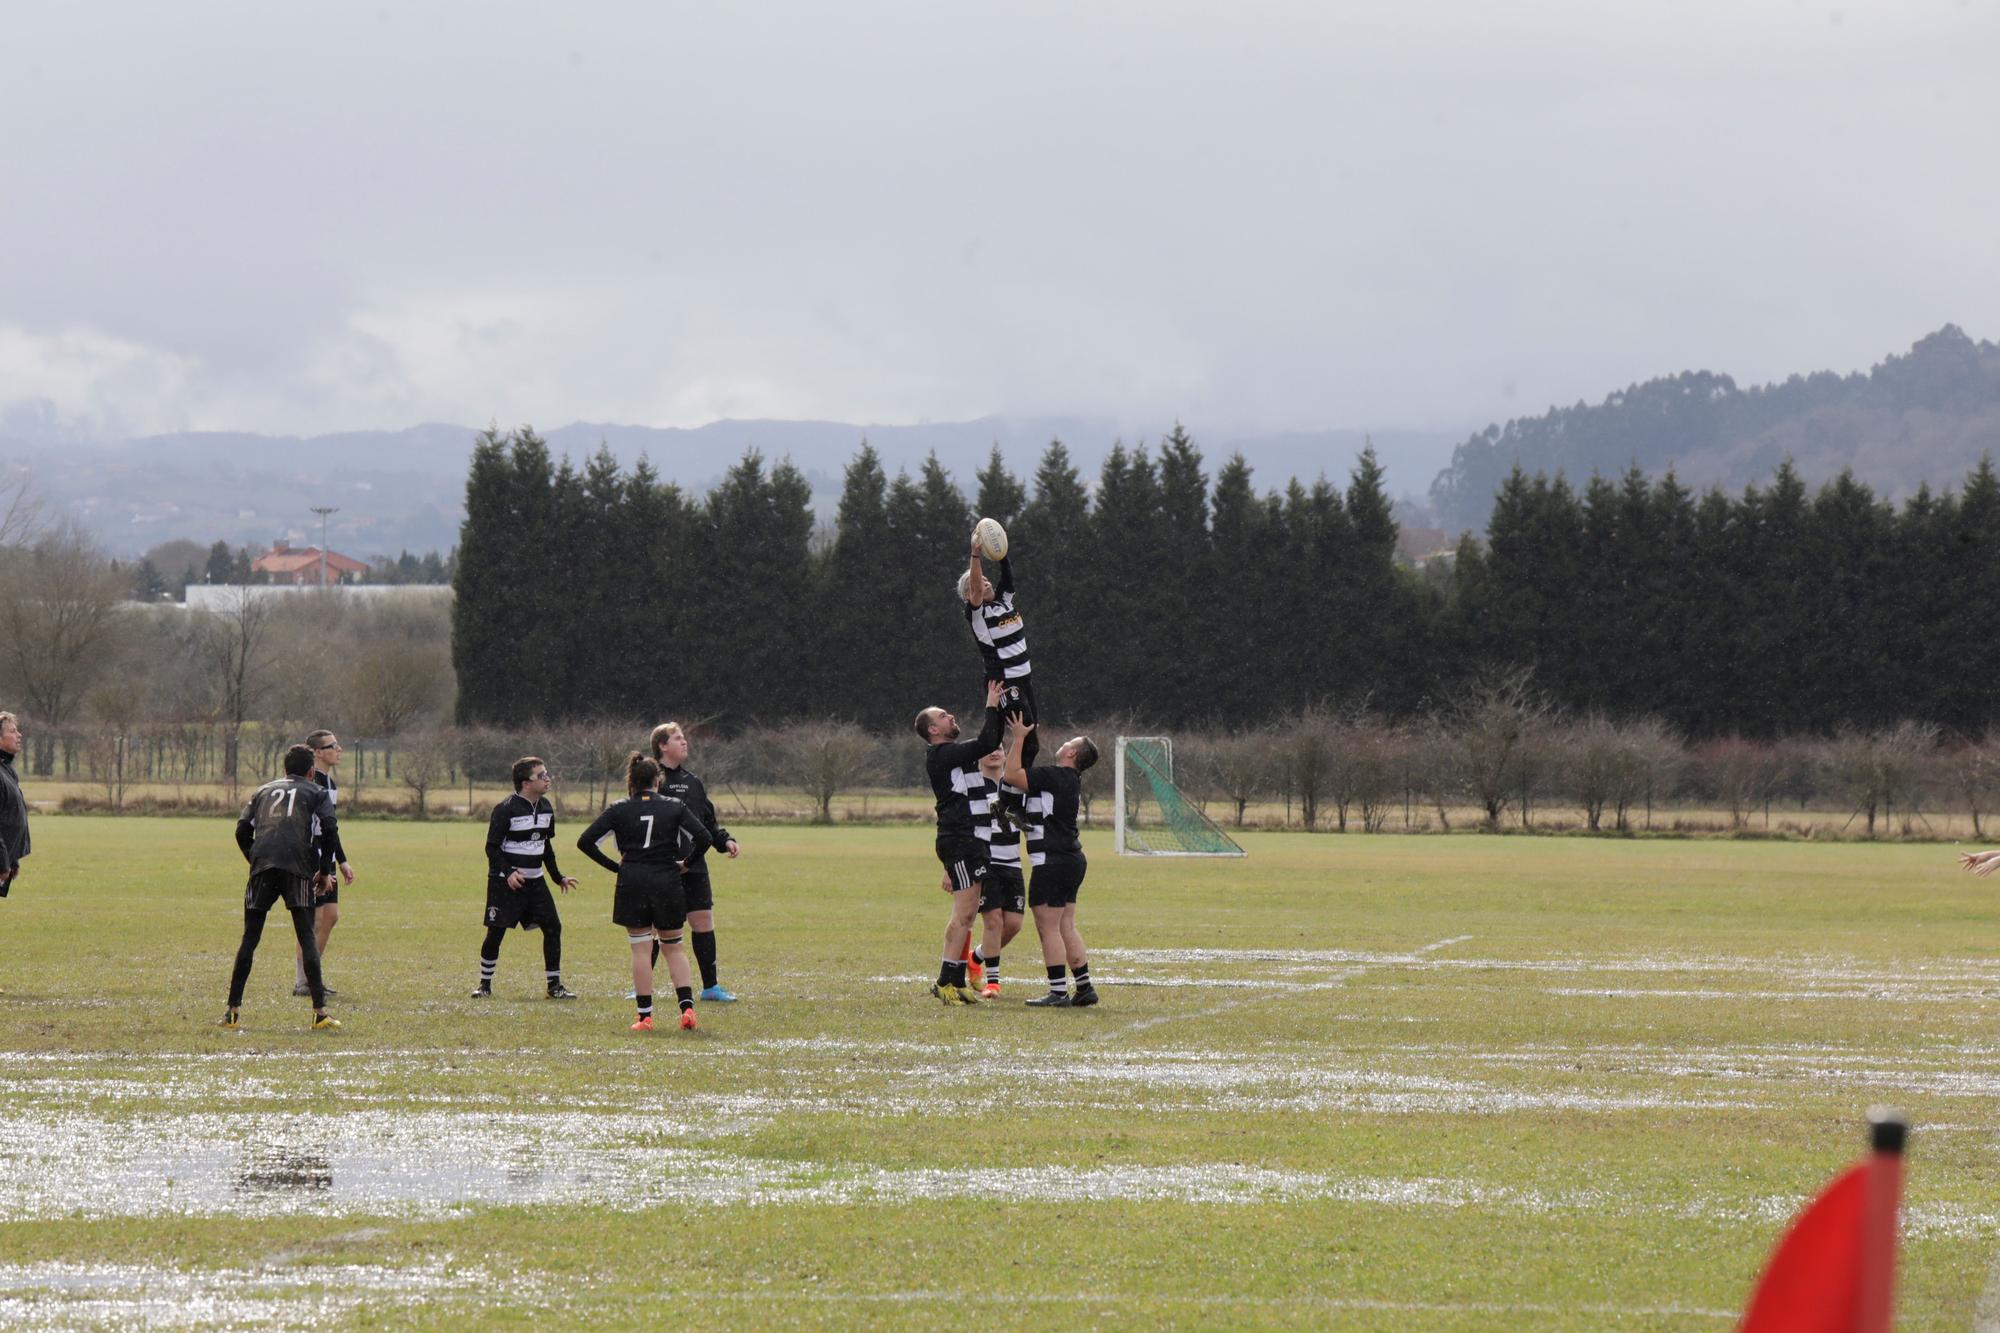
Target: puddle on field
66 1296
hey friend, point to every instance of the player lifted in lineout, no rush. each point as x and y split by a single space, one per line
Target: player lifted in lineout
287 833
520 860
997 625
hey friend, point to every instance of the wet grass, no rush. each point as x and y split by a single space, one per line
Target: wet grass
1366 1082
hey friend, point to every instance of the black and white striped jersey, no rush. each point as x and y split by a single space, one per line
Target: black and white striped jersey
519 837
997 625
1001 834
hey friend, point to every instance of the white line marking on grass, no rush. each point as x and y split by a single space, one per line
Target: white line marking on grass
1986 1318
1325 983
951 1299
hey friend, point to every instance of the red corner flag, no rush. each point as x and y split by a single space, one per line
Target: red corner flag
1835 1270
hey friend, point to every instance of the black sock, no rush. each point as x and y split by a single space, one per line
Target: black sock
1082 975
704 955
685 994
656 953
645 1006
1057 981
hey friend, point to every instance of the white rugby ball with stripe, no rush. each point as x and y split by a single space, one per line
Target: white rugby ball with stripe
992 538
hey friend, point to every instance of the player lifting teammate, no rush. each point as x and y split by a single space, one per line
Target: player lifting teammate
655 835
953 766
520 859
670 750
1054 791
287 833
1003 897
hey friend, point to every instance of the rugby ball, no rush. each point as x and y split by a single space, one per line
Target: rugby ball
992 539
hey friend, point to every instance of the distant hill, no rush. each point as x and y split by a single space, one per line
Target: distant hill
1927 416
405 489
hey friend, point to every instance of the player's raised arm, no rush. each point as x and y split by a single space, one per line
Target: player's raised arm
989 735
1015 773
1980 863
975 579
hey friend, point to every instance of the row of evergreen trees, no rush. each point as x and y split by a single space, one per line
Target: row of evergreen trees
1157 595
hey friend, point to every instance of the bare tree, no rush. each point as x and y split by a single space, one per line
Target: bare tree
20 509
829 757
1873 771
1498 720
427 764
398 685
1972 773
1237 766
1304 745
234 647
59 617
1437 767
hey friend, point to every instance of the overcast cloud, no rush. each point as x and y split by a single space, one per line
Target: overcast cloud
296 219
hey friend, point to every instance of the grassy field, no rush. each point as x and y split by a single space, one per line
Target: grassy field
1376 1082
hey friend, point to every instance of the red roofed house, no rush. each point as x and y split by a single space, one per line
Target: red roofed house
302 567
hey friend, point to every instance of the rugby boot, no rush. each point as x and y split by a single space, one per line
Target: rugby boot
1055 999
1084 997
975 971
953 994
645 1023
230 1021
717 995
482 992
687 1021
558 991
991 991
325 1023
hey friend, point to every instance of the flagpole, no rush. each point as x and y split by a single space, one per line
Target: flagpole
1887 1132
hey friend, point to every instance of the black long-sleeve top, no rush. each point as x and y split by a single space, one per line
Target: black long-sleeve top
954 772
14 842
650 830
333 847
689 791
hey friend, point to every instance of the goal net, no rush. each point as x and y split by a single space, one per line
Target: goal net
1153 817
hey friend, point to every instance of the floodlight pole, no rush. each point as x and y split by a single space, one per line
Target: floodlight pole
323 511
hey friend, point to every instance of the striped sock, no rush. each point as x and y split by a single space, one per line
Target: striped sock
1082 975
685 994
993 971
645 1006
487 967
1057 981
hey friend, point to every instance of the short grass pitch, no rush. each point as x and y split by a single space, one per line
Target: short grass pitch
1368 1082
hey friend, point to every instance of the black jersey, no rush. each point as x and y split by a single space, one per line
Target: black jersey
288 825
1054 793
520 836
332 789
14 842
686 788
650 829
997 625
954 772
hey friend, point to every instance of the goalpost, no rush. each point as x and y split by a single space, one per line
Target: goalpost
1152 816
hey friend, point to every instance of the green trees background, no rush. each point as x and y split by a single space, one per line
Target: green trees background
1164 593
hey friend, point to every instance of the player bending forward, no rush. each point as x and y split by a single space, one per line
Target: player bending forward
655 836
1054 791
520 860
287 834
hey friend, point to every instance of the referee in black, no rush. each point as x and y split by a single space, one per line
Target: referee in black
286 832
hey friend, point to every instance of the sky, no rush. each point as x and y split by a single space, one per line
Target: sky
299 219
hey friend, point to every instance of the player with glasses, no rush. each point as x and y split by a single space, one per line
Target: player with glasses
520 860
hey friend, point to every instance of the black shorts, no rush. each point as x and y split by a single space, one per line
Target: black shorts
964 862
268 887
1002 890
649 902
1056 881
531 907
331 894
696 890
